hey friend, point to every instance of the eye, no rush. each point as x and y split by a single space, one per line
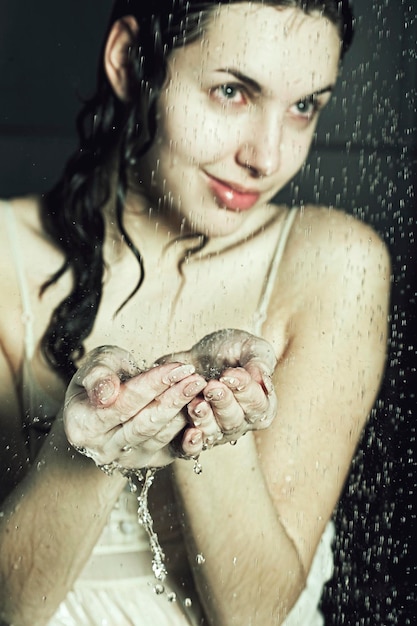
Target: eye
229 93
306 108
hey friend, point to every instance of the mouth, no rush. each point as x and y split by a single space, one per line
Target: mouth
231 196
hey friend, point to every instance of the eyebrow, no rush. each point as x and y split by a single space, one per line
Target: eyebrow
256 87
253 84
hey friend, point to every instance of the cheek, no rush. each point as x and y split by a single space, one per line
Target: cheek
295 149
195 133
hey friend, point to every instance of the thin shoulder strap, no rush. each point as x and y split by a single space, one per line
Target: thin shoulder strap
273 269
27 315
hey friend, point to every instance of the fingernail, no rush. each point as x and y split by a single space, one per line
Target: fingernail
214 394
180 372
233 383
196 439
229 381
201 410
104 390
192 389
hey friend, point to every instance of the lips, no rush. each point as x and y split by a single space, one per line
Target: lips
232 197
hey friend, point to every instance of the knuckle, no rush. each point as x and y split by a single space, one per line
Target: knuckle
236 421
233 431
210 428
231 425
257 408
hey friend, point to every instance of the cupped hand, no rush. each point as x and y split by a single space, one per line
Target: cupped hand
239 395
116 414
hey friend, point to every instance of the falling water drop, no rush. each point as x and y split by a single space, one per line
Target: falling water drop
197 468
145 519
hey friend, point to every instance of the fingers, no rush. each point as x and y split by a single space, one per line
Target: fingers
102 386
152 429
109 417
203 418
110 358
100 374
233 405
124 400
140 391
192 442
123 414
259 354
153 421
175 357
252 396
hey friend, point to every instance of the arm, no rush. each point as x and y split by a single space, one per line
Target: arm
252 572
53 517
258 510
49 525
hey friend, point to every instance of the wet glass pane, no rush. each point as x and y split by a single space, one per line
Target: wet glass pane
364 160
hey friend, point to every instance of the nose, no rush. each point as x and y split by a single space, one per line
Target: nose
260 150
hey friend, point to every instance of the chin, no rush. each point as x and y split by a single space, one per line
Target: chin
217 223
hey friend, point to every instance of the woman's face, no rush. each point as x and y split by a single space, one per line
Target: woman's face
238 114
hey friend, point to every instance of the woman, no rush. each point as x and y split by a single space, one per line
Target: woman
160 236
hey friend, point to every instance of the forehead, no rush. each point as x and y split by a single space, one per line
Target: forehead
268 44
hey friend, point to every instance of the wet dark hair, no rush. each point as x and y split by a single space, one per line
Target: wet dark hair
113 132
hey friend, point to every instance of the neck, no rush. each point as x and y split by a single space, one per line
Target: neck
155 234
162 235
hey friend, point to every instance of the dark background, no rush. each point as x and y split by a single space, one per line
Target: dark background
364 160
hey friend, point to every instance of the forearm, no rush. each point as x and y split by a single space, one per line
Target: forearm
48 528
251 573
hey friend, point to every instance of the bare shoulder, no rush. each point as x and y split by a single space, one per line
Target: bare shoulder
332 263
24 251
325 242
22 233
19 236
19 217
336 230
337 274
